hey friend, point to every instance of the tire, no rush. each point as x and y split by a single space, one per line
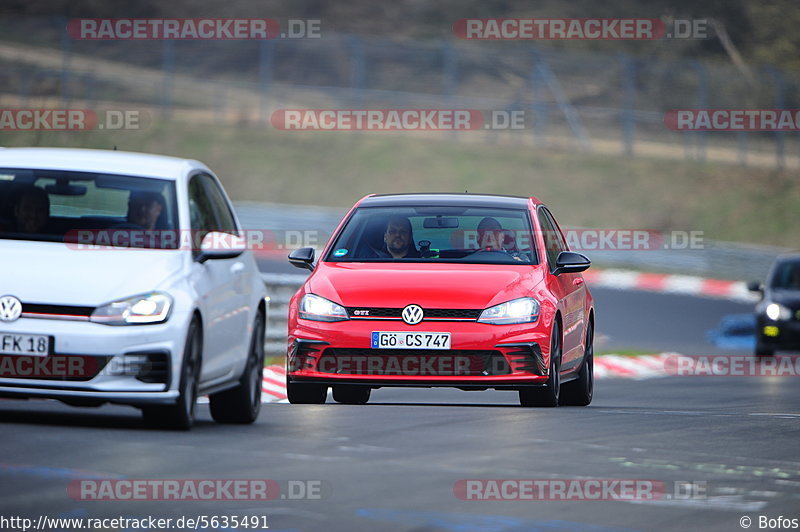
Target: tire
351 394
241 405
579 392
763 352
180 416
306 394
548 395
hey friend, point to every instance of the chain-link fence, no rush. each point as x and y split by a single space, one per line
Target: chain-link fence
595 101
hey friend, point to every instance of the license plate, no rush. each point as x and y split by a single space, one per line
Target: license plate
25 344
410 340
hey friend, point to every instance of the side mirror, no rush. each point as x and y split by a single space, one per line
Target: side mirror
571 262
303 258
755 286
217 245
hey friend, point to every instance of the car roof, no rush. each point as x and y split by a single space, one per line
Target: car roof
788 257
101 161
445 199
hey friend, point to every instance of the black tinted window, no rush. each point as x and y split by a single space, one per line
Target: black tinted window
436 234
787 276
201 211
86 207
222 212
552 241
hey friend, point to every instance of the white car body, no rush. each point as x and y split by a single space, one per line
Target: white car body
225 293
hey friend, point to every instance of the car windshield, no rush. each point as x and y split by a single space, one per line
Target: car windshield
477 235
787 276
91 208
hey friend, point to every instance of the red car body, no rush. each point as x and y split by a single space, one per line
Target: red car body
523 350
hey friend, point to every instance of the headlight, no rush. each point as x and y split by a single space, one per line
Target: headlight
320 309
776 311
522 310
136 310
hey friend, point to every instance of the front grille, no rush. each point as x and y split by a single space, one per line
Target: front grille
526 358
413 362
42 310
53 367
471 314
305 354
146 367
442 314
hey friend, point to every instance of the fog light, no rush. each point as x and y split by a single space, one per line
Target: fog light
771 330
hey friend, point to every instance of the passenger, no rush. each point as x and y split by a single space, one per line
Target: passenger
31 210
794 281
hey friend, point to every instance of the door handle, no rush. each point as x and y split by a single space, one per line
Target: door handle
577 281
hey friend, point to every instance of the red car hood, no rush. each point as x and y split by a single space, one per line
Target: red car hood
465 286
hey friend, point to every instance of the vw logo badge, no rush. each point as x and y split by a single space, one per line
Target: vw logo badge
412 314
11 308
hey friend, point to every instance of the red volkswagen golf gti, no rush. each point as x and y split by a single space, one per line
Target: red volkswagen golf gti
467 291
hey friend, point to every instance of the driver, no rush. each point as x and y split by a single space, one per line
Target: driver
144 208
399 238
398 241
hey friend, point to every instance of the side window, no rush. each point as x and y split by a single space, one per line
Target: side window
552 244
559 235
200 209
222 212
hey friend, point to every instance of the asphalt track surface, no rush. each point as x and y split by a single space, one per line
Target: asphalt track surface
393 464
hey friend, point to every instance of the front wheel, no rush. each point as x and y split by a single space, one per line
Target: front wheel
579 392
350 394
180 416
764 352
547 396
242 404
301 393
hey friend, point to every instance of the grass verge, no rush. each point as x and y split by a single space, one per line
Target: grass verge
604 191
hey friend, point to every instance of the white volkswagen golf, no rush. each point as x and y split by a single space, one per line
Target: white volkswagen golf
125 278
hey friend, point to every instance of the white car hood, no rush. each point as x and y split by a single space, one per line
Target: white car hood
53 273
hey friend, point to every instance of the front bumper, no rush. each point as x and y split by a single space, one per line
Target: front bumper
481 356
782 335
94 363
